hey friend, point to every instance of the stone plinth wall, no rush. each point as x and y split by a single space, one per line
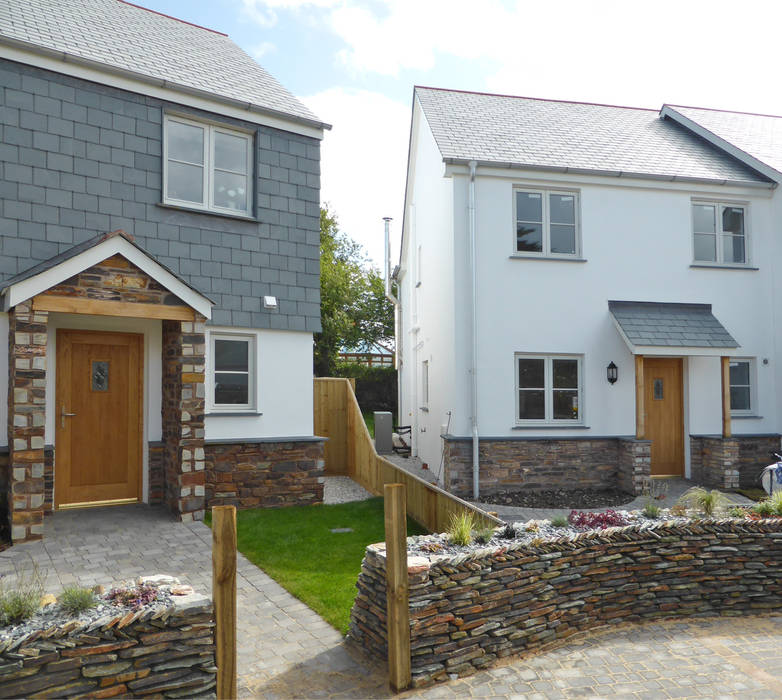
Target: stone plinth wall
731 463
171 656
157 466
264 474
466 612
546 463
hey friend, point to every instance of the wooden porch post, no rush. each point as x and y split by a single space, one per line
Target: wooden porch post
725 374
640 409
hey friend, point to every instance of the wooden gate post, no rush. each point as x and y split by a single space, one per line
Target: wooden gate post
224 596
398 612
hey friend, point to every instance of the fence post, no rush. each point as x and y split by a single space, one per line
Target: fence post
398 612
224 596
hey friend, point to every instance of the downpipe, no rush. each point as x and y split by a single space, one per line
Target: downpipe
474 369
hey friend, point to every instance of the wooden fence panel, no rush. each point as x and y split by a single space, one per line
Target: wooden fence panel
351 451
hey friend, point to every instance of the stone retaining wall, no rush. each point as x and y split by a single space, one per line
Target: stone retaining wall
264 474
165 653
468 611
547 463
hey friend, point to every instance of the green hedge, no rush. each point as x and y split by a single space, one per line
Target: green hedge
376 387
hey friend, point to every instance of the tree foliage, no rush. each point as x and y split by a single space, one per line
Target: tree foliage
353 308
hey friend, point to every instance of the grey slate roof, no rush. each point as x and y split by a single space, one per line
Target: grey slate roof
572 136
670 325
759 135
130 38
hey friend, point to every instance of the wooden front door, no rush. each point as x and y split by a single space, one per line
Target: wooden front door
99 418
664 415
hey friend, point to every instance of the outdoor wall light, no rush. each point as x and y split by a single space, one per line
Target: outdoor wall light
612 373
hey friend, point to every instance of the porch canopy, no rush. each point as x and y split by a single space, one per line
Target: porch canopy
656 328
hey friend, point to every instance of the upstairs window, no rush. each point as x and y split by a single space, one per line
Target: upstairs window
719 232
232 372
546 223
207 167
548 389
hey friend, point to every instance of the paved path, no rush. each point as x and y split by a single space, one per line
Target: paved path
286 650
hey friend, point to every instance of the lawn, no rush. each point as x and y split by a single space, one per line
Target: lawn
297 548
369 419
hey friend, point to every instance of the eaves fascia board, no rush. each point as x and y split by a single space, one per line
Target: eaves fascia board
739 154
611 173
68 63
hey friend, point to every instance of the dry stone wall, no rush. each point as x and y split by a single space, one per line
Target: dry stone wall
468 611
167 652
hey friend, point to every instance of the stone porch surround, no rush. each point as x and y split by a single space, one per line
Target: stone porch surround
734 462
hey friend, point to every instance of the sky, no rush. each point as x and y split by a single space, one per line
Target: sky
354 63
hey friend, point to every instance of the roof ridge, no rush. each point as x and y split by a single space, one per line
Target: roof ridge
176 19
536 99
725 111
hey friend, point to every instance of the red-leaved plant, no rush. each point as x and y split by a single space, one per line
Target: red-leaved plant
596 521
134 598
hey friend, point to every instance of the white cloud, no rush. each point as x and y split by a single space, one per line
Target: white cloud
264 12
263 49
363 162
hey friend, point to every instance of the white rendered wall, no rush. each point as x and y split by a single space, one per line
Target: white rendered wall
284 389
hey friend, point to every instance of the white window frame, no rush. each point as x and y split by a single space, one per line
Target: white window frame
719 233
752 410
252 374
425 385
209 166
548 389
546 223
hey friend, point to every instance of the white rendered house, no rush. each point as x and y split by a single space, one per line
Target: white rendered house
588 293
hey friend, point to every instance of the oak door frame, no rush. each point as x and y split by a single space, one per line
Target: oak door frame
62 442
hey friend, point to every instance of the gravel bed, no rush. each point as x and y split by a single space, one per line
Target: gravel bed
561 498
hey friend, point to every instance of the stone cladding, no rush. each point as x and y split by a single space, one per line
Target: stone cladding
167 652
264 474
157 466
470 610
547 463
755 452
731 463
183 417
26 419
116 279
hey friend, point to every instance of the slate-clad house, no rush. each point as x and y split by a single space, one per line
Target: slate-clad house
159 267
590 294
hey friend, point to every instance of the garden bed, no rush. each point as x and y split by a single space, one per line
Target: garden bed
559 498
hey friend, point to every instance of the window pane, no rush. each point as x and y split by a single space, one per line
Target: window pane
230 191
733 219
565 405
531 374
739 373
733 249
186 182
739 398
529 206
563 209
529 238
186 142
532 404
231 389
231 355
563 239
704 218
565 374
705 247
230 152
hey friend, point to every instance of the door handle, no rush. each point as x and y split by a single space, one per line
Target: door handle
64 414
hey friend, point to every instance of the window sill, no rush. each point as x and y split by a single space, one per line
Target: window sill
745 416
717 266
232 413
209 212
548 258
550 426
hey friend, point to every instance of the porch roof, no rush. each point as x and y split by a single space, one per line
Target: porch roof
58 268
659 328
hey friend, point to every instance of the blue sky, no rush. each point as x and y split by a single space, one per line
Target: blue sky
354 62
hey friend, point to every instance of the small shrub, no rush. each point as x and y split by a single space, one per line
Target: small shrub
736 512
651 511
431 547
23 600
75 599
596 521
136 597
679 510
707 502
559 521
532 526
508 532
483 535
764 508
776 502
460 528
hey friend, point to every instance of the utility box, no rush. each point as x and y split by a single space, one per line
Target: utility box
384 427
